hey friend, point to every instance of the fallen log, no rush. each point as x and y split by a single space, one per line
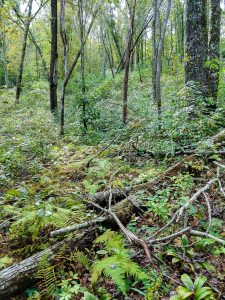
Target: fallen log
118 194
20 275
123 210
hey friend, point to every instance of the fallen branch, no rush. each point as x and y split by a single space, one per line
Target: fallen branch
20 275
72 228
123 209
103 149
207 235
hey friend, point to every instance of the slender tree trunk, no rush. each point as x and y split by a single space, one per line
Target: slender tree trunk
159 59
54 56
65 56
157 53
73 65
154 46
196 44
106 55
127 62
82 64
23 52
214 50
5 61
39 51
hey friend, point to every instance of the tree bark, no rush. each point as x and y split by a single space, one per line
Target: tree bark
20 275
159 59
5 61
196 45
127 61
54 56
65 56
73 65
82 64
23 51
214 51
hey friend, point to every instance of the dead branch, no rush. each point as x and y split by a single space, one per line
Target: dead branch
20 275
207 235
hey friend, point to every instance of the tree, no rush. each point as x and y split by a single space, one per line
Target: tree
157 53
196 44
127 60
23 51
214 50
82 62
54 56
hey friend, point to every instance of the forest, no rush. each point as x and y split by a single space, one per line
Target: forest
112 149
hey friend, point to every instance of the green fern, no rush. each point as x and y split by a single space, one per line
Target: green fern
48 280
118 266
34 220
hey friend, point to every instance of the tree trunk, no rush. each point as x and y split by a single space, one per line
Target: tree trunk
154 46
157 65
23 52
73 65
39 51
20 275
214 51
127 61
82 64
54 57
65 56
5 61
196 44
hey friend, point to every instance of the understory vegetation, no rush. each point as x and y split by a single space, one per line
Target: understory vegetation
112 150
45 183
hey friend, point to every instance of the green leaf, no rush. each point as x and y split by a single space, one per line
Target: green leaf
199 282
184 292
175 260
184 240
203 293
102 252
187 281
208 267
89 296
176 297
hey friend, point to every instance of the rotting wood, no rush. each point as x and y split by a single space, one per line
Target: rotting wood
20 275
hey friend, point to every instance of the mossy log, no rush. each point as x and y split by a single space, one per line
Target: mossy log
21 275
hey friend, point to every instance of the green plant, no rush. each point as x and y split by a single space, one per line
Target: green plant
69 287
47 277
5 262
193 290
116 263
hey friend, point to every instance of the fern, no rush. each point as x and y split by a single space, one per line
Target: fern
46 273
118 266
34 220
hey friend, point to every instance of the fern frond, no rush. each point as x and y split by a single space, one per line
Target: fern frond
46 273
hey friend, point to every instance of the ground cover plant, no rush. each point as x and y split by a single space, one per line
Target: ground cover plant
112 166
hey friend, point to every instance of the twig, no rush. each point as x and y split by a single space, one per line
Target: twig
102 150
194 197
131 237
209 211
169 237
207 235
69 229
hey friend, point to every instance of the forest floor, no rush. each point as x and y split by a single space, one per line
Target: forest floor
45 185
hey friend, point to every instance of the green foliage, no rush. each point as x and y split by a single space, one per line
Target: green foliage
193 290
34 219
116 264
46 274
5 262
